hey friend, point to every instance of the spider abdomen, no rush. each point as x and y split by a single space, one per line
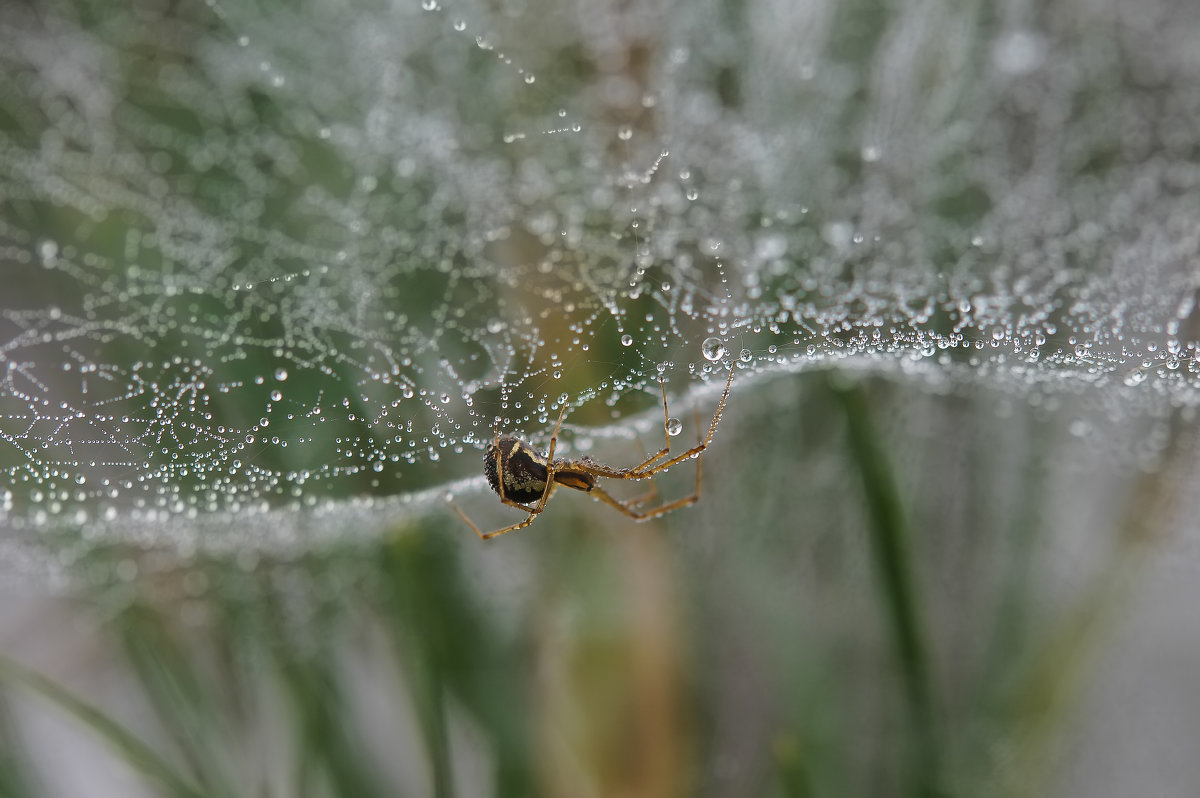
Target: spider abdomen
524 470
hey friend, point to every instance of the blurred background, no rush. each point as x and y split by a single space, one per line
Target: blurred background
273 275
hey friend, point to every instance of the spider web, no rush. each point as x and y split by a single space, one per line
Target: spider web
305 261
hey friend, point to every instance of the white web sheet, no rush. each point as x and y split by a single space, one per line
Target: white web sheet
256 259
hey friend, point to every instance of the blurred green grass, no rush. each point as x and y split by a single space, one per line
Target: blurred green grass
858 605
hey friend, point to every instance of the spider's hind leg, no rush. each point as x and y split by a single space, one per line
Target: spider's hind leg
630 509
645 498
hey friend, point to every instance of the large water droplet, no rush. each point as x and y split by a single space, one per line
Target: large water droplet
712 349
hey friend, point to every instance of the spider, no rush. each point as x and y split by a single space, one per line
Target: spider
523 478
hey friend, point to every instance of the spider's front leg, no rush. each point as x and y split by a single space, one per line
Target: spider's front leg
489 535
702 444
632 507
666 450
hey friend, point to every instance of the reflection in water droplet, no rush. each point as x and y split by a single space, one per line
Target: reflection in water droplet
712 349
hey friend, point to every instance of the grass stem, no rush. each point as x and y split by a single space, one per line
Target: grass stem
889 544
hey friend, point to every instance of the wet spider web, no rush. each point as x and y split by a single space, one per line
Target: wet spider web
305 261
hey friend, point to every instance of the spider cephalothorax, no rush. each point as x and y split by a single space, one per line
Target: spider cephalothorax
525 478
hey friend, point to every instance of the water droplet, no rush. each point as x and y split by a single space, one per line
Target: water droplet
1019 53
712 349
674 427
746 356
626 340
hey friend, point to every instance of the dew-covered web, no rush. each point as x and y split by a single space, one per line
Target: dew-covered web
262 259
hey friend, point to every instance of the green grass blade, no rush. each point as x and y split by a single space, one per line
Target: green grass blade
136 753
167 674
889 544
16 778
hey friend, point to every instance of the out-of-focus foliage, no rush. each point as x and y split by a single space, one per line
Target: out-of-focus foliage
273 275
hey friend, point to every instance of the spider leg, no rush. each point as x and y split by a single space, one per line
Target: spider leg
652 493
645 515
550 469
533 513
663 452
513 528
645 498
644 472
666 450
499 476
489 535
470 523
629 506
